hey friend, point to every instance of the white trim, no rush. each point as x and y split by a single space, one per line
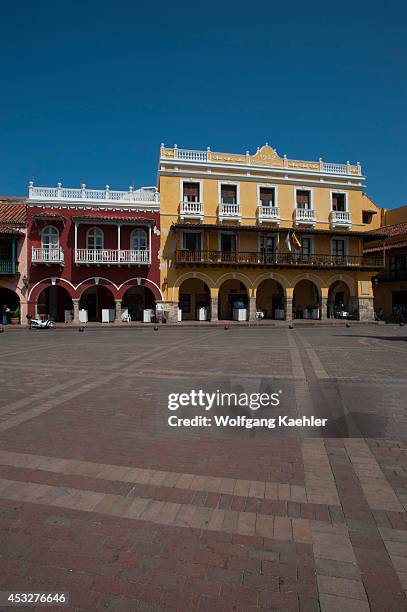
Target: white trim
304 188
191 180
49 278
268 186
340 191
95 227
42 233
146 280
233 183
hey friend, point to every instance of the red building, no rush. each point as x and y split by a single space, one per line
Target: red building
92 250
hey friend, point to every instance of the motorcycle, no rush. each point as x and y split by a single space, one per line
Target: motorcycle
38 324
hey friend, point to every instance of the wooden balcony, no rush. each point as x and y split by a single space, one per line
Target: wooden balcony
277 260
8 267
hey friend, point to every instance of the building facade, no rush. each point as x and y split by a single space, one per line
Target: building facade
92 250
270 236
390 285
13 259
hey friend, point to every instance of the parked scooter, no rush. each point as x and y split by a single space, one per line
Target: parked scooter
38 324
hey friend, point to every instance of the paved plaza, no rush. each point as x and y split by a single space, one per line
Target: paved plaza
101 498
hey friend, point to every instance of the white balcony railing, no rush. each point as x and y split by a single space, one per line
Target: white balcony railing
191 209
47 255
340 217
148 195
305 215
229 211
112 256
268 213
212 157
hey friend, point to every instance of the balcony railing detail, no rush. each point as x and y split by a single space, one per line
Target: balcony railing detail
191 209
268 213
44 255
340 217
59 193
229 211
279 259
208 156
8 267
112 256
305 215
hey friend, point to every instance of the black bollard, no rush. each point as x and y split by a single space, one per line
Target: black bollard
81 328
155 328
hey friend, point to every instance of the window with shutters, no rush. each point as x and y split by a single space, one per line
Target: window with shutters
267 196
191 192
303 199
339 202
228 194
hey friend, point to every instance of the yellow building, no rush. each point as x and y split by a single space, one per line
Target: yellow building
262 236
390 286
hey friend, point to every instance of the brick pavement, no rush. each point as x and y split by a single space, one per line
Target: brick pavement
97 500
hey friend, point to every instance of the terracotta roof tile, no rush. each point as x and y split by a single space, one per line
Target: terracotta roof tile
13 210
10 229
391 230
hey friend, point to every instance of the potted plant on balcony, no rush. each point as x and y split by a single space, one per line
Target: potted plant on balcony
15 317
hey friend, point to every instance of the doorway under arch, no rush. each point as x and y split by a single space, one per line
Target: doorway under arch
95 299
10 300
56 303
270 299
136 299
306 302
194 295
231 292
338 299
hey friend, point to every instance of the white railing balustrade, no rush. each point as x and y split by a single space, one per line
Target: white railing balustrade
304 215
191 209
229 210
208 156
190 155
340 217
112 256
145 194
268 213
47 255
335 168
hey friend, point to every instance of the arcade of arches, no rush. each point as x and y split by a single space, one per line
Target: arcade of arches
309 297
60 303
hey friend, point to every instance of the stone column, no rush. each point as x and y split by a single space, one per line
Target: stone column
118 313
214 309
288 308
75 311
324 308
171 308
366 309
252 309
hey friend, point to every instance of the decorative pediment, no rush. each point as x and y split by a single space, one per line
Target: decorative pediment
266 156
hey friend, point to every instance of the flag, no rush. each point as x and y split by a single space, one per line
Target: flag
288 242
277 242
296 240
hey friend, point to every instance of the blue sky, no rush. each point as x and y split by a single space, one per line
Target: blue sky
90 89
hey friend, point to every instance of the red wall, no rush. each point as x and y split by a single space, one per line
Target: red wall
73 274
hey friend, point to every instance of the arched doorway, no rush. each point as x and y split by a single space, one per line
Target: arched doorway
9 300
338 299
56 303
270 299
94 300
306 302
232 293
136 299
194 296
